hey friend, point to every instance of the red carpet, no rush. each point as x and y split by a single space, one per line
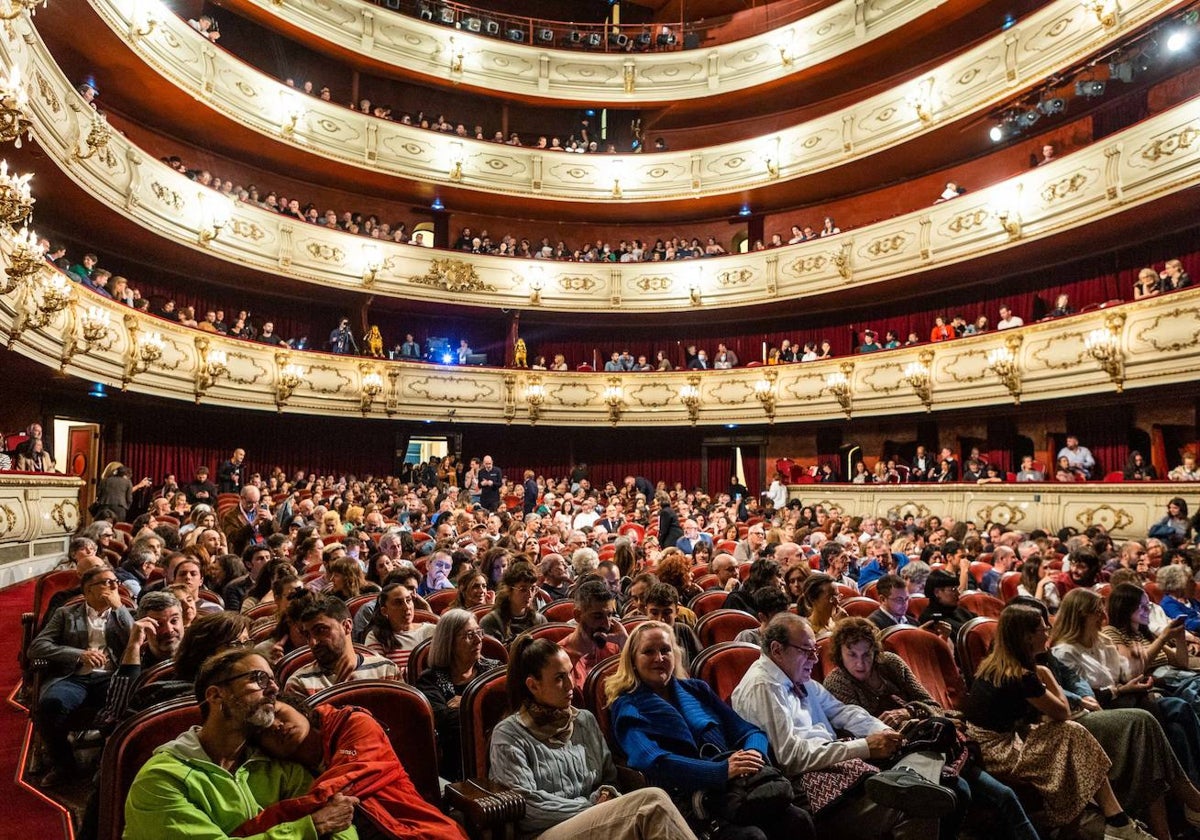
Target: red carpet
26 814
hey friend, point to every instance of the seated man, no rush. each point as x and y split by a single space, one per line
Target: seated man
598 633
662 604
327 628
211 779
82 552
893 596
556 582
942 590
769 601
763 572
1003 560
82 644
802 721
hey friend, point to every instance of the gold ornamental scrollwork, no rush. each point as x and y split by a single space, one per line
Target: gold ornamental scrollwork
806 265
1164 147
452 276
736 277
327 253
653 284
65 514
577 284
1002 513
10 520
1063 187
1111 518
1145 333
964 222
918 510
167 195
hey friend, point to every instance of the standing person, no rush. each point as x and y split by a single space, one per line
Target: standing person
115 490
530 499
556 756
229 477
341 340
669 529
491 479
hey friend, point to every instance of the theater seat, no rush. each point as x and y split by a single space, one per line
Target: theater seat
595 701
131 746
979 568
299 658
723 666
706 602
441 600
930 658
974 642
825 662
47 586
1008 585
418 657
859 606
555 631
982 603
723 625
406 717
561 610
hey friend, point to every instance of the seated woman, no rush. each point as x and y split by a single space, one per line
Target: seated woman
455 658
1147 284
353 756
1018 714
514 612
1174 528
1179 595
472 590
347 581
683 737
819 603
556 756
1067 474
880 682
392 628
288 634
1037 582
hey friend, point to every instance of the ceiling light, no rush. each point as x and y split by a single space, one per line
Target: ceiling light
1178 39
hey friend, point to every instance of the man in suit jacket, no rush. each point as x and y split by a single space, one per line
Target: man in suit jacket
82 645
893 603
922 463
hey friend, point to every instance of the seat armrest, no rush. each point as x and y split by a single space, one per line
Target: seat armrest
488 806
28 628
629 779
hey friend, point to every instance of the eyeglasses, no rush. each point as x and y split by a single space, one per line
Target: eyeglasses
262 679
107 583
810 651
473 635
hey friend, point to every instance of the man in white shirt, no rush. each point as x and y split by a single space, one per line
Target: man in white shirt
777 492
1079 457
586 518
1008 320
802 720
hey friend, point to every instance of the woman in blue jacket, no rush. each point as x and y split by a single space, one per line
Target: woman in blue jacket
686 740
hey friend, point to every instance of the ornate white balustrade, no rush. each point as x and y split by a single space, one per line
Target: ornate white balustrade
1126 510
1155 341
38 513
441 52
1049 41
1148 161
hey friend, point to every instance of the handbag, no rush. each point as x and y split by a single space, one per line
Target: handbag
767 793
938 735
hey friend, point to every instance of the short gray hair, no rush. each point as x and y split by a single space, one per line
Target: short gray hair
584 560
156 601
1173 578
916 572
779 629
441 649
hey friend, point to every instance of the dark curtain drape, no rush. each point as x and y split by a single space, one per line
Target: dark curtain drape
720 468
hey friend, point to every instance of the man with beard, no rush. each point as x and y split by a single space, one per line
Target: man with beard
599 633
327 628
211 779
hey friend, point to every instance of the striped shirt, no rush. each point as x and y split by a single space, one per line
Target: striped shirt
370 667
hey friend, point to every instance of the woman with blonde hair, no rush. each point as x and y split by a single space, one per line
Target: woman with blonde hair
331 524
819 603
686 739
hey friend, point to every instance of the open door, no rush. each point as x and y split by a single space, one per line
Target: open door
83 451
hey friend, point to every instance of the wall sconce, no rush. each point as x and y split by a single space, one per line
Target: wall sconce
97 137
94 324
614 399
1010 222
535 292
13 104
144 350
26 260
46 297
212 365
16 199
918 374
1002 361
287 380
456 162
372 265
921 100
1104 345
689 395
788 48
764 392
772 165
1106 11
694 294
291 109
13 9
838 384
372 387
616 190
219 210
535 395
456 58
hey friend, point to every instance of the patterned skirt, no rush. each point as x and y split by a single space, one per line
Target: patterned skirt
1059 759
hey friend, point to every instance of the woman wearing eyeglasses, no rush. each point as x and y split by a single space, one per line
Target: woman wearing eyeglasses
514 612
455 658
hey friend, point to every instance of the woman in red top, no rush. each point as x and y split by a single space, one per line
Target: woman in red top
940 331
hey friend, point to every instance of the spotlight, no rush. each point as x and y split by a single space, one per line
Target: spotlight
1089 88
1121 70
1009 22
618 39
426 13
996 133
1052 105
643 40
448 359
1026 119
491 27
516 35
546 36
472 24
576 36
594 40
437 204
1178 39
446 15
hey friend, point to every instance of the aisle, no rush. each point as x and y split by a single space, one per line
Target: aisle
26 814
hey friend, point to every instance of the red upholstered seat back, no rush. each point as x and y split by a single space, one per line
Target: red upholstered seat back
859 606
484 705
982 603
706 602
929 657
974 642
562 610
723 666
723 625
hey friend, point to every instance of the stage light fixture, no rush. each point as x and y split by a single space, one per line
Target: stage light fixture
516 35
1090 88
546 36
1052 105
1178 39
